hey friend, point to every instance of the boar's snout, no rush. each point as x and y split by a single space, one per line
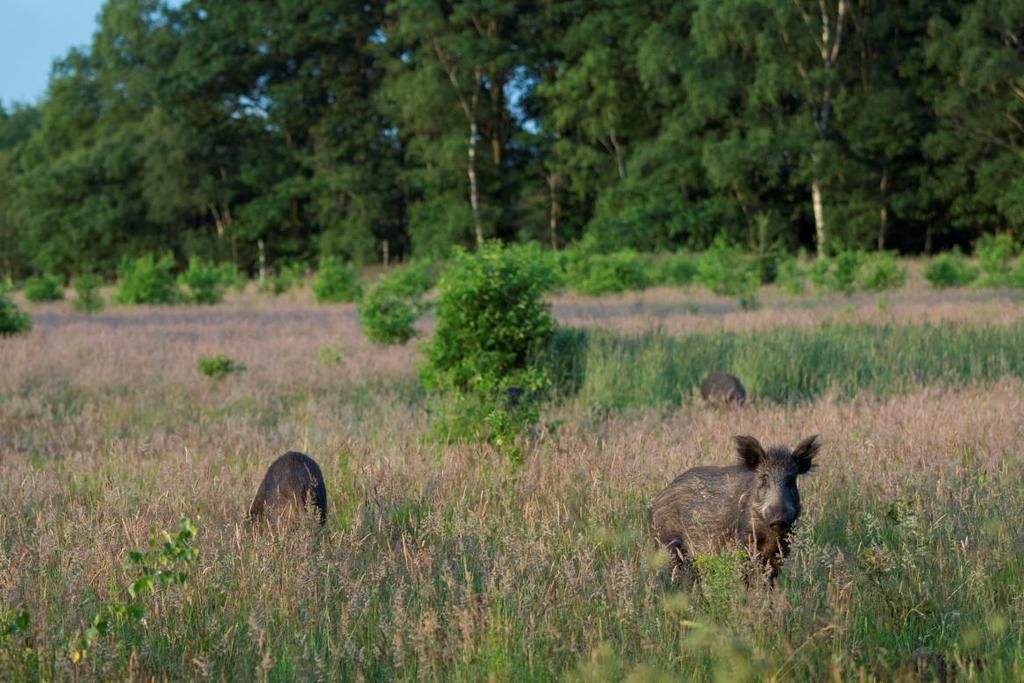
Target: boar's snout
781 517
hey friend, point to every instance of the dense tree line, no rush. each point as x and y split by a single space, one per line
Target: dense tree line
266 132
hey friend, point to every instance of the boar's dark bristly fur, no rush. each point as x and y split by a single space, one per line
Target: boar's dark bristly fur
292 483
722 389
751 505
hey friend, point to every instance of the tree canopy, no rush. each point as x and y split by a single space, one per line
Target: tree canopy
266 133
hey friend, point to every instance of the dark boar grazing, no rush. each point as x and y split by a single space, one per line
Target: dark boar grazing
751 505
722 389
292 483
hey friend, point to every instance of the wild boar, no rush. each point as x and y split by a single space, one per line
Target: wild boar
722 389
292 483
751 505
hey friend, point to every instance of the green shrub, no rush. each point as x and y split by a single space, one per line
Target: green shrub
286 277
165 563
847 265
790 276
995 257
218 366
415 277
950 269
818 273
720 573
726 270
496 410
205 282
12 320
44 288
491 316
329 356
391 308
621 271
147 280
882 271
336 281
676 269
722 268
491 323
87 296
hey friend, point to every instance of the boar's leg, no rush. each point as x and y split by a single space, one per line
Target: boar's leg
682 573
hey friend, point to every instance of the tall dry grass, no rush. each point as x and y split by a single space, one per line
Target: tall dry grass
446 563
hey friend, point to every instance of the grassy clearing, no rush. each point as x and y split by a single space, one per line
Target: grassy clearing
447 563
612 370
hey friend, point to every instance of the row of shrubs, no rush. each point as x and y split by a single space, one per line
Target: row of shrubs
151 280
724 269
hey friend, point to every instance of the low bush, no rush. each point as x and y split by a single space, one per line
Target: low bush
218 366
336 281
87 296
790 276
950 269
283 279
819 272
492 321
392 306
43 288
845 270
726 270
881 271
996 254
147 280
12 319
620 271
676 269
205 282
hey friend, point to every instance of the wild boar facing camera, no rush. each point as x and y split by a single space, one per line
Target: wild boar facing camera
751 505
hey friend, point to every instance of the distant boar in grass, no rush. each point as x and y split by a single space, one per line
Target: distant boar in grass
292 484
751 505
722 389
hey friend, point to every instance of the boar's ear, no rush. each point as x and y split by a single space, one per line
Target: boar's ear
749 450
804 453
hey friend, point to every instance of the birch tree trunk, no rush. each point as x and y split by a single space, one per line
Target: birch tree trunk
828 45
555 210
469 109
474 196
819 212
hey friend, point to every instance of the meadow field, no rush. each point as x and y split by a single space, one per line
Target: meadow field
449 562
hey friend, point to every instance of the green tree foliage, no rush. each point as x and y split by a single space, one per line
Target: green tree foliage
950 269
148 280
726 270
491 317
492 323
882 271
391 308
87 295
618 271
205 282
262 134
44 287
16 125
977 94
218 366
336 281
12 320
